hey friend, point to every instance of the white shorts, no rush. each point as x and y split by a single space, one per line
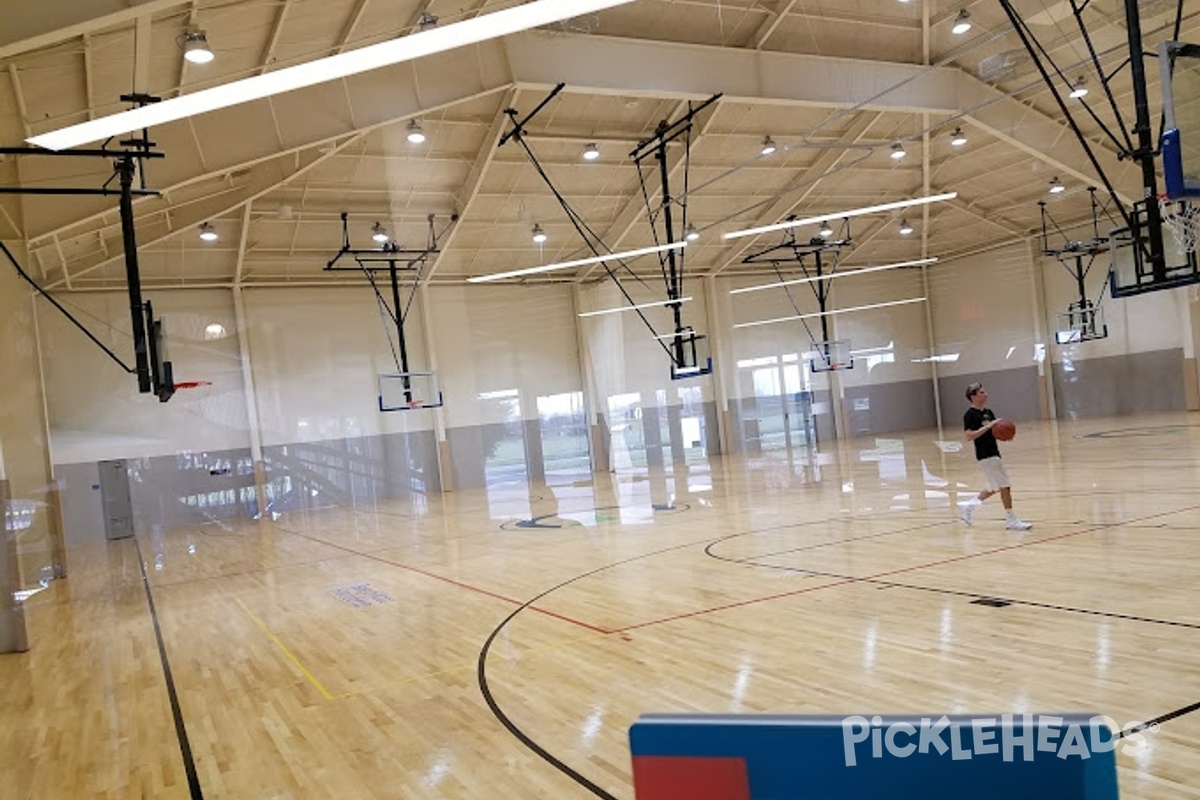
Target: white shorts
994 474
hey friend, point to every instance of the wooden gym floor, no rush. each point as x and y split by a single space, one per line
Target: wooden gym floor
438 650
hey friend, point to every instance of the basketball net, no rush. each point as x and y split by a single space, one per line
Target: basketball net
1181 219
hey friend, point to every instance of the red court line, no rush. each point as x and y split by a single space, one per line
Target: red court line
899 571
450 581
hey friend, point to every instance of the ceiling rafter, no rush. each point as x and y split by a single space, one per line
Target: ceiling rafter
479 168
805 184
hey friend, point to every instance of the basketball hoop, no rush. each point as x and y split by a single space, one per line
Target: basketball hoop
1181 219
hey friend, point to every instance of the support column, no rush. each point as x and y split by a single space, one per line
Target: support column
1041 338
13 637
444 456
255 432
601 459
722 355
55 525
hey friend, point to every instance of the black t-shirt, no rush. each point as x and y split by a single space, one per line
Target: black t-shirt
985 445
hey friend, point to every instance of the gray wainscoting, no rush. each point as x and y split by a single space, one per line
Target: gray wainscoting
1012 393
193 487
889 407
1135 383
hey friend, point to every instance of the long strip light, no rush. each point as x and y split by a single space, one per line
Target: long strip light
830 313
831 275
628 254
619 309
342 65
855 212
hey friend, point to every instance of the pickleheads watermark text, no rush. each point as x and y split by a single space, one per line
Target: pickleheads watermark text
1012 737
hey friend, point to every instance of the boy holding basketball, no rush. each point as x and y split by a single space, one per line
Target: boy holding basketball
978 422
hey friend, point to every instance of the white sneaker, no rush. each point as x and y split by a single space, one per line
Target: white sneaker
964 512
1015 524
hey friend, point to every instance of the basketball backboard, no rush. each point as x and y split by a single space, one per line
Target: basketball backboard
690 354
1080 324
1131 271
408 391
830 356
1179 64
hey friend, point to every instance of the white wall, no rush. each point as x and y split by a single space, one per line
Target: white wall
983 309
495 338
95 409
316 357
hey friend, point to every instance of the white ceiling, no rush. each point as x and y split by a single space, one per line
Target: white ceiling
834 82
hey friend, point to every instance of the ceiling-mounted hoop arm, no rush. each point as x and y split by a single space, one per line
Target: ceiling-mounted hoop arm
589 236
671 263
1144 152
389 257
798 251
134 152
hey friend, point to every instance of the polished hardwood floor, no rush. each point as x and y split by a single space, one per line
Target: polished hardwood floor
337 653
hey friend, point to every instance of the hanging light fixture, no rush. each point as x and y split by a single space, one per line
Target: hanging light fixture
958 138
378 233
690 233
416 134
539 235
826 231
1080 88
208 233
591 152
905 228
898 151
1056 186
962 23
195 47
768 146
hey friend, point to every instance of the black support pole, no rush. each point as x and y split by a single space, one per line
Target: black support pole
400 329
1144 155
125 169
673 273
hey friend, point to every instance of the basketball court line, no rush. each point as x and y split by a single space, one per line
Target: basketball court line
185 747
886 573
452 582
956 592
283 648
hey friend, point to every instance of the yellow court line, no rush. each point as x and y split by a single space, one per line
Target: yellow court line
303 669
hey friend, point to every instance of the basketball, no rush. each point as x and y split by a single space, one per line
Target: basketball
1004 429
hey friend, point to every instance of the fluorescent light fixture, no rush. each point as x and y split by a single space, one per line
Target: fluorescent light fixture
815 278
378 233
948 358
691 234
857 212
591 152
768 146
619 309
905 228
208 233
898 151
826 231
1080 88
324 70
1056 186
830 313
539 235
641 251
958 138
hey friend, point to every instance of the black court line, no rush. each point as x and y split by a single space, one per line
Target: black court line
950 592
185 747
